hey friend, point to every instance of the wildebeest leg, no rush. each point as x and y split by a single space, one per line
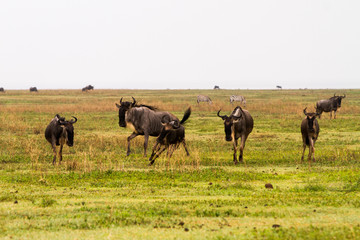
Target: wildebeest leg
155 149
157 155
133 135
304 148
186 150
54 151
146 140
235 141
330 114
311 149
242 146
171 149
334 114
60 152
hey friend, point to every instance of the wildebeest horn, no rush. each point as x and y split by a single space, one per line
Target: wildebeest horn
121 100
175 124
344 95
218 114
165 119
133 100
305 111
72 121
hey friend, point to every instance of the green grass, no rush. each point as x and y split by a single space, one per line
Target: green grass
98 192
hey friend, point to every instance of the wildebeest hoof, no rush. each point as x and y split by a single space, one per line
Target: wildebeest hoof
236 162
151 163
128 153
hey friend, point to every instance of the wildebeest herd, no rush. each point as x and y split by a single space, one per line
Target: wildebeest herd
170 132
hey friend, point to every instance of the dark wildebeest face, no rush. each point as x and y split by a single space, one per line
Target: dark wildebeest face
228 123
68 130
123 108
339 98
311 120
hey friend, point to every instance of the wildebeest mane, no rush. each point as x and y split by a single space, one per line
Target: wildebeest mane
147 106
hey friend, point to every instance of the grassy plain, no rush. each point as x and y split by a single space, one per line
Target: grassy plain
97 192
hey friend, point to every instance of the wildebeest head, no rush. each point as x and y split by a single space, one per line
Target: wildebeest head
123 108
338 100
68 129
311 120
228 123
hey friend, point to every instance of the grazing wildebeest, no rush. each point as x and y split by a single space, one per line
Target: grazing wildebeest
279 87
203 98
33 89
171 136
216 87
2 89
58 132
238 98
310 131
87 88
329 105
142 119
238 124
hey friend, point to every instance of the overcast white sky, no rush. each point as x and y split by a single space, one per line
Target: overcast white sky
182 44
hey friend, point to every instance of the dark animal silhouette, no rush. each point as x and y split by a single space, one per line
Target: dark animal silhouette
2 89
142 119
171 136
216 87
87 88
279 87
33 89
58 132
329 105
310 131
238 125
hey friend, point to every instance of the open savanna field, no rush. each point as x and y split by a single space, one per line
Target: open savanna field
99 193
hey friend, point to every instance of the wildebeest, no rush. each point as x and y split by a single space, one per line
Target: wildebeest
216 87
310 131
238 125
87 88
329 105
142 119
279 87
171 136
2 89
238 98
33 89
58 132
203 98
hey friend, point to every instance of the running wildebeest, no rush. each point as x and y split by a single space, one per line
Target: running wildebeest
33 89
238 98
329 105
238 125
203 98
310 131
87 88
171 136
58 132
142 119
216 87
2 89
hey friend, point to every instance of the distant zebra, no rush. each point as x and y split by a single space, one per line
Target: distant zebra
203 98
238 98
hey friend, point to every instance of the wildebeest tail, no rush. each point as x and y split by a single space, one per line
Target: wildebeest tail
186 115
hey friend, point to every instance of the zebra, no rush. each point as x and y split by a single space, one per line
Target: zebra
238 98
203 98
